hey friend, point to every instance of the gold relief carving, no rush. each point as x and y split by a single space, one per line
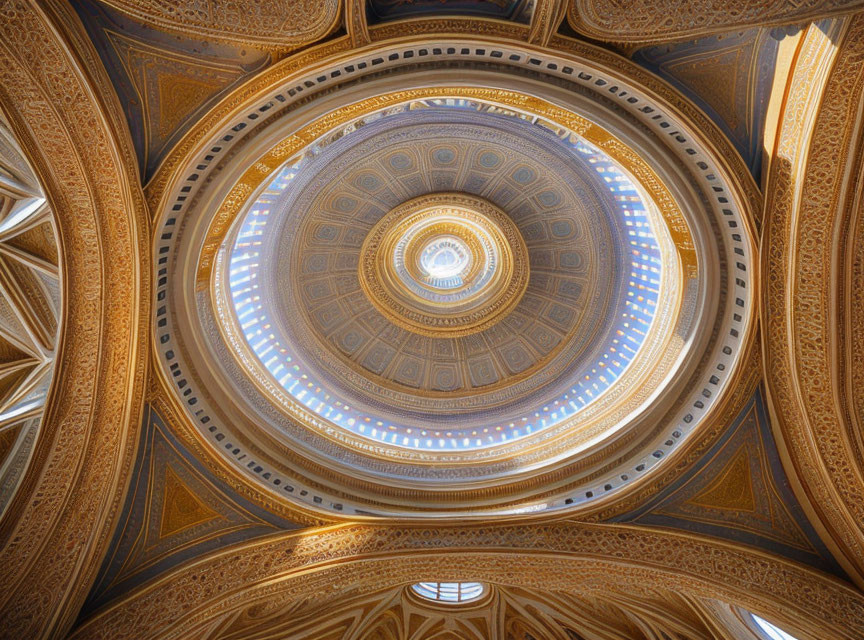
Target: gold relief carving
742 389
339 563
545 19
705 127
157 187
811 203
171 86
381 285
179 96
850 322
731 489
587 128
181 508
668 207
118 359
38 241
270 24
736 489
251 180
436 26
60 519
355 23
705 130
635 612
229 209
284 149
165 403
650 21
715 78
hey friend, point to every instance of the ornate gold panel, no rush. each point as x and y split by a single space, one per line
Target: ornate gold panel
273 24
649 21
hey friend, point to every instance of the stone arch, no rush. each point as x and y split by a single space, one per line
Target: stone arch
60 520
335 564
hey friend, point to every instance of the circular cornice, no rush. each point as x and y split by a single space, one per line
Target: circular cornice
716 208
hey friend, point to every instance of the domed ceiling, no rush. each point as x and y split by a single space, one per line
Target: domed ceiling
447 276
421 297
430 319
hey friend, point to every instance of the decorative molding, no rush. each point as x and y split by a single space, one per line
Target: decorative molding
813 198
59 521
175 510
30 306
231 135
271 24
511 10
165 176
407 310
165 403
164 81
355 23
545 20
653 21
634 612
318 568
60 104
729 76
689 456
739 492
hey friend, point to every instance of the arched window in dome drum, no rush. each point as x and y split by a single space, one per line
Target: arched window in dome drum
450 592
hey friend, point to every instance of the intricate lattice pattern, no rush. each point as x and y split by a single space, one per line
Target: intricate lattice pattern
29 310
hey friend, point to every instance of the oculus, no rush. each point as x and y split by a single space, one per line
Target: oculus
444 265
444 261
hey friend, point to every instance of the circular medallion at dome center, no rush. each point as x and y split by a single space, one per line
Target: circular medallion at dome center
444 265
444 261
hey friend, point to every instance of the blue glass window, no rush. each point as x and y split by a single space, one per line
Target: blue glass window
453 592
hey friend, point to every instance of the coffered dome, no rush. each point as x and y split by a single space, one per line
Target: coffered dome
448 276
431 319
506 294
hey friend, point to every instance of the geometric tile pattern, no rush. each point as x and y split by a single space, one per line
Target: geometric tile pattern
165 82
729 76
175 511
739 491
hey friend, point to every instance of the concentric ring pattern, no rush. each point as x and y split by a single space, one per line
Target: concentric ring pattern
419 297
596 271
444 265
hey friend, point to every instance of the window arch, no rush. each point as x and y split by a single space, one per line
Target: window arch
449 592
772 632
